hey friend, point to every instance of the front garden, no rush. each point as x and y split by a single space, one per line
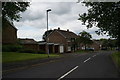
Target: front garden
16 56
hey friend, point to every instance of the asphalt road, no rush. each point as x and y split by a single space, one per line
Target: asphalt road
92 65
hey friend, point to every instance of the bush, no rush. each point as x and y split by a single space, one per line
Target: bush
27 51
41 52
11 48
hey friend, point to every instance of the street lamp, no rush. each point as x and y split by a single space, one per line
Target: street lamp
47 17
47 34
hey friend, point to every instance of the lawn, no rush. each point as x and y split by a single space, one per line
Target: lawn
116 57
15 56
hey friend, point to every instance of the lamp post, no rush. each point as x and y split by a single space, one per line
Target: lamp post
47 47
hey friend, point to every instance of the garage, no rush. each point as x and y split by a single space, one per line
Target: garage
61 49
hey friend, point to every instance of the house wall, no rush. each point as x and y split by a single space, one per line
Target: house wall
51 48
45 48
95 46
34 47
9 34
56 49
42 47
70 46
56 37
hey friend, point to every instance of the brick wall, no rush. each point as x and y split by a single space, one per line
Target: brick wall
55 37
95 46
9 34
34 47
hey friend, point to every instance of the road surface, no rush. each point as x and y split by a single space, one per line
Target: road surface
91 65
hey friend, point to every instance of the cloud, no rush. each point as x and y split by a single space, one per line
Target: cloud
40 24
30 32
61 8
31 15
64 15
34 12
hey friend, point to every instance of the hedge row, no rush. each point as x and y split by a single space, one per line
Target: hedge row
19 48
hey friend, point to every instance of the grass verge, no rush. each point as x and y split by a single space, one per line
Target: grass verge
116 58
8 57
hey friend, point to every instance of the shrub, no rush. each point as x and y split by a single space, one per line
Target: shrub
41 52
11 48
27 51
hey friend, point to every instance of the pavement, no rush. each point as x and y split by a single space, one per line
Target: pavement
90 65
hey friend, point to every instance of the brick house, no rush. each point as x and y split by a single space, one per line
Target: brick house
66 38
30 44
96 45
51 47
9 33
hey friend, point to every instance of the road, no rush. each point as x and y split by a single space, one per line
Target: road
91 65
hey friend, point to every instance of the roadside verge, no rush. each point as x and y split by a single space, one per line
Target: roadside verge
116 59
14 66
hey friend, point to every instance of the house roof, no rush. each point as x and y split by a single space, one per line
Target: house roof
66 34
27 41
43 43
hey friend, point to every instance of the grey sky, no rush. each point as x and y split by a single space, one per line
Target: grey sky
63 15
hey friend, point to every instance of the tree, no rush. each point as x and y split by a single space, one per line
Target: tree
108 43
104 43
11 10
84 38
46 34
105 16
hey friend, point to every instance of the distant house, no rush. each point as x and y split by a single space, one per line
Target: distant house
29 44
9 33
65 38
96 45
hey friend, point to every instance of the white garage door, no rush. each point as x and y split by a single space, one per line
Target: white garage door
61 49
69 48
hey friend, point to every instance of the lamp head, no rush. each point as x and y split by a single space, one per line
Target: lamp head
48 10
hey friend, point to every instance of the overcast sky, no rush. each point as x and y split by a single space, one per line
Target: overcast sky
64 15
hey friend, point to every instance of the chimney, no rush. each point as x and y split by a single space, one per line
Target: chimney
68 30
58 28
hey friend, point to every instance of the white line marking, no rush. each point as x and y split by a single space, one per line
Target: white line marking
87 60
93 55
67 73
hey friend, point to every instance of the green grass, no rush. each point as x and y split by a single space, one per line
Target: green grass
16 57
116 57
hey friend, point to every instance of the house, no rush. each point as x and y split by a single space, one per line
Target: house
64 37
29 44
9 33
96 45
50 47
